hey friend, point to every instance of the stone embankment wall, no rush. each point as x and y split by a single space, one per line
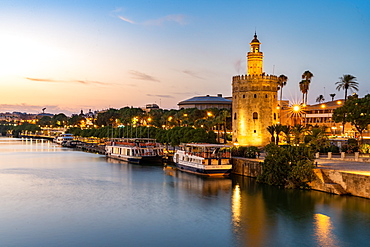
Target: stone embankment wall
247 167
341 183
330 181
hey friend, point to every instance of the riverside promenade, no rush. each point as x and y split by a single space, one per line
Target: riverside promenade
345 165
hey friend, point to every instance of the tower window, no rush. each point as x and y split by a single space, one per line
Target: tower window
255 115
234 116
274 116
266 96
255 96
243 96
255 131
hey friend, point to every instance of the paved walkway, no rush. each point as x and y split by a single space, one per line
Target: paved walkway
345 166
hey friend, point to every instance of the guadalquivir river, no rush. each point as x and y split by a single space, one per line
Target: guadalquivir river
54 196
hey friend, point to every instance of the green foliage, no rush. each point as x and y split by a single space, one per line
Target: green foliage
16 130
330 148
290 167
316 138
245 151
364 148
354 111
173 136
351 146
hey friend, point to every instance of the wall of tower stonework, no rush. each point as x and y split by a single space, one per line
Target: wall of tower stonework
254 109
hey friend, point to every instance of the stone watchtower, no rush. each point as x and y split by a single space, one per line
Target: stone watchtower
254 101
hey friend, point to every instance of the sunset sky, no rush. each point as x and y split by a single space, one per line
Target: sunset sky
77 55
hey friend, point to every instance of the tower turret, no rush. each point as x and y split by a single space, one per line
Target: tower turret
255 58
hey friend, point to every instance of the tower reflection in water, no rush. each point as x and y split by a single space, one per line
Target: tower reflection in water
324 230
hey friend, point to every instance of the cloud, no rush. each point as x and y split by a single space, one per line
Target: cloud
192 74
142 76
179 19
160 95
67 81
126 20
23 107
174 18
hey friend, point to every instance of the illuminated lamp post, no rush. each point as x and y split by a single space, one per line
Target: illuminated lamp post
295 109
148 125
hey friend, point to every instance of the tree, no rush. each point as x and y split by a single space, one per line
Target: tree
278 130
320 98
271 130
332 95
289 167
297 131
306 80
286 130
59 120
282 80
317 138
347 82
44 121
354 111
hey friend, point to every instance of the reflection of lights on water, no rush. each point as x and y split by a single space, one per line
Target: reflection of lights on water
236 205
324 230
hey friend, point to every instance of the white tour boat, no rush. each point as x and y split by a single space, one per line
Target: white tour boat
204 159
135 150
62 138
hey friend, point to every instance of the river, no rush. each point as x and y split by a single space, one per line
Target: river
55 196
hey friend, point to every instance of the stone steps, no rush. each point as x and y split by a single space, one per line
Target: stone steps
328 184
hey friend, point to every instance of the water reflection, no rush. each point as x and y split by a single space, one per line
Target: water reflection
28 145
324 230
205 186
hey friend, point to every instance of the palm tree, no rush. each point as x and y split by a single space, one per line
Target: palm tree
286 130
306 79
278 129
297 131
303 89
271 130
320 98
282 80
347 82
332 95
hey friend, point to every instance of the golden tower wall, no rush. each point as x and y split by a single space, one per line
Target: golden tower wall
254 101
254 108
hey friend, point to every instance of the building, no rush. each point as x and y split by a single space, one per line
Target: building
254 101
206 102
319 115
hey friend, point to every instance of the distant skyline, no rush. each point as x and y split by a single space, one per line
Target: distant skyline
68 56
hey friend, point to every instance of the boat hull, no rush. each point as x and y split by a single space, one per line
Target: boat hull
138 159
204 171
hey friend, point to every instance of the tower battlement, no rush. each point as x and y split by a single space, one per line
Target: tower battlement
247 78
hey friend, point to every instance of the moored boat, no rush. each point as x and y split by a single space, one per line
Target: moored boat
204 159
135 150
62 138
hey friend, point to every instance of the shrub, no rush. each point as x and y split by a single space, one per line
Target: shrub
331 148
364 148
245 152
289 167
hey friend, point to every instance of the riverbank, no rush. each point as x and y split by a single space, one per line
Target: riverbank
341 177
